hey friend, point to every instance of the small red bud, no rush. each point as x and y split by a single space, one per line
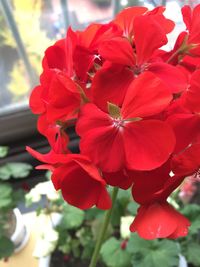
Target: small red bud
66 257
124 244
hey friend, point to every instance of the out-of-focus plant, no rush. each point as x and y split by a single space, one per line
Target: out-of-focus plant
27 15
73 237
9 198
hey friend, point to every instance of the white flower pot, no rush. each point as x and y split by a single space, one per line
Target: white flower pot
21 234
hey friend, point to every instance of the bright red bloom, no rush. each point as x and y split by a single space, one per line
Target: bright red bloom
139 54
81 184
159 220
121 179
127 140
187 162
136 108
114 90
192 21
60 100
78 179
156 218
126 17
192 95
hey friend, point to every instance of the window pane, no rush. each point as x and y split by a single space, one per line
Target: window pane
33 25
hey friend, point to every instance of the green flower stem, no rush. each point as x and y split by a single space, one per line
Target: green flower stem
103 230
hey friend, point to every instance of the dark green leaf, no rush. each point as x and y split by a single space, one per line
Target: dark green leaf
154 253
6 247
192 254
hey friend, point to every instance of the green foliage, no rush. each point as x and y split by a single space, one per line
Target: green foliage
86 240
190 245
93 213
72 217
192 253
3 151
5 196
6 247
113 255
132 208
123 199
192 212
8 200
153 253
14 170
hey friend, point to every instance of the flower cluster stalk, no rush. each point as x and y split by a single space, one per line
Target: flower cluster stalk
104 228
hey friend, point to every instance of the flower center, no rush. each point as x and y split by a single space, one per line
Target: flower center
118 122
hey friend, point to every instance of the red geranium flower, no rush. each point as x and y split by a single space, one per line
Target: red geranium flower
126 139
159 220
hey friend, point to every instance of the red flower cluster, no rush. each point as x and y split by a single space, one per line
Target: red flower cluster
136 109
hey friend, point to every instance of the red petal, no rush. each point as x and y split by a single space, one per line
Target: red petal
147 95
63 97
153 37
126 18
187 16
50 157
120 179
148 144
192 95
35 102
147 183
110 85
157 14
173 78
154 221
187 162
182 226
118 50
55 56
100 140
78 187
178 123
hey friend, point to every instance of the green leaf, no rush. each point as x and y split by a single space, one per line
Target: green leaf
153 253
192 254
72 217
3 151
114 110
6 247
191 211
5 195
113 255
87 251
195 225
15 170
132 208
93 213
75 245
139 245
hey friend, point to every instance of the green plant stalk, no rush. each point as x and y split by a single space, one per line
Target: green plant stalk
4 4
103 230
